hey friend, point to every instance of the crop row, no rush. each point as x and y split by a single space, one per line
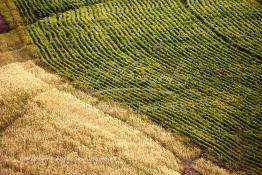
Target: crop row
238 21
34 10
159 55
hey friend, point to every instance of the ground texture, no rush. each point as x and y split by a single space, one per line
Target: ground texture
49 127
192 66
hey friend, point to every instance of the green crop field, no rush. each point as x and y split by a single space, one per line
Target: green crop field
192 66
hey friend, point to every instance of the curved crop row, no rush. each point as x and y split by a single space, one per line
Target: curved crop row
35 10
237 21
162 60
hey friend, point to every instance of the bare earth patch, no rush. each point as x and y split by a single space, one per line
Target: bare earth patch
188 165
3 25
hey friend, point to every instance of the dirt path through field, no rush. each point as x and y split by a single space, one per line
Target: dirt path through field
3 25
188 164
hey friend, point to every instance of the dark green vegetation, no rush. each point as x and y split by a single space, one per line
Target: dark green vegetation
192 66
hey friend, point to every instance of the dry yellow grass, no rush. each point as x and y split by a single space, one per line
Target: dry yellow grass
56 125
49 127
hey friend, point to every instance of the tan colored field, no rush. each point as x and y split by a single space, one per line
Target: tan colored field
49 127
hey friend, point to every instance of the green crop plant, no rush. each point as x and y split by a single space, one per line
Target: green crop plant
192 66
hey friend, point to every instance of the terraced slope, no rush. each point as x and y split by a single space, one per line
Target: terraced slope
49 127
167 60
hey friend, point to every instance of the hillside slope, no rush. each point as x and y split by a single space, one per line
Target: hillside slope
192 66
47 131
48 127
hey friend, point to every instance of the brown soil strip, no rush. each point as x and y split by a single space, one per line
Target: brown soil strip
3 25
188 164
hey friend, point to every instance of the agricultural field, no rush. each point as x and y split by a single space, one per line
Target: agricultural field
193 66
49 127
